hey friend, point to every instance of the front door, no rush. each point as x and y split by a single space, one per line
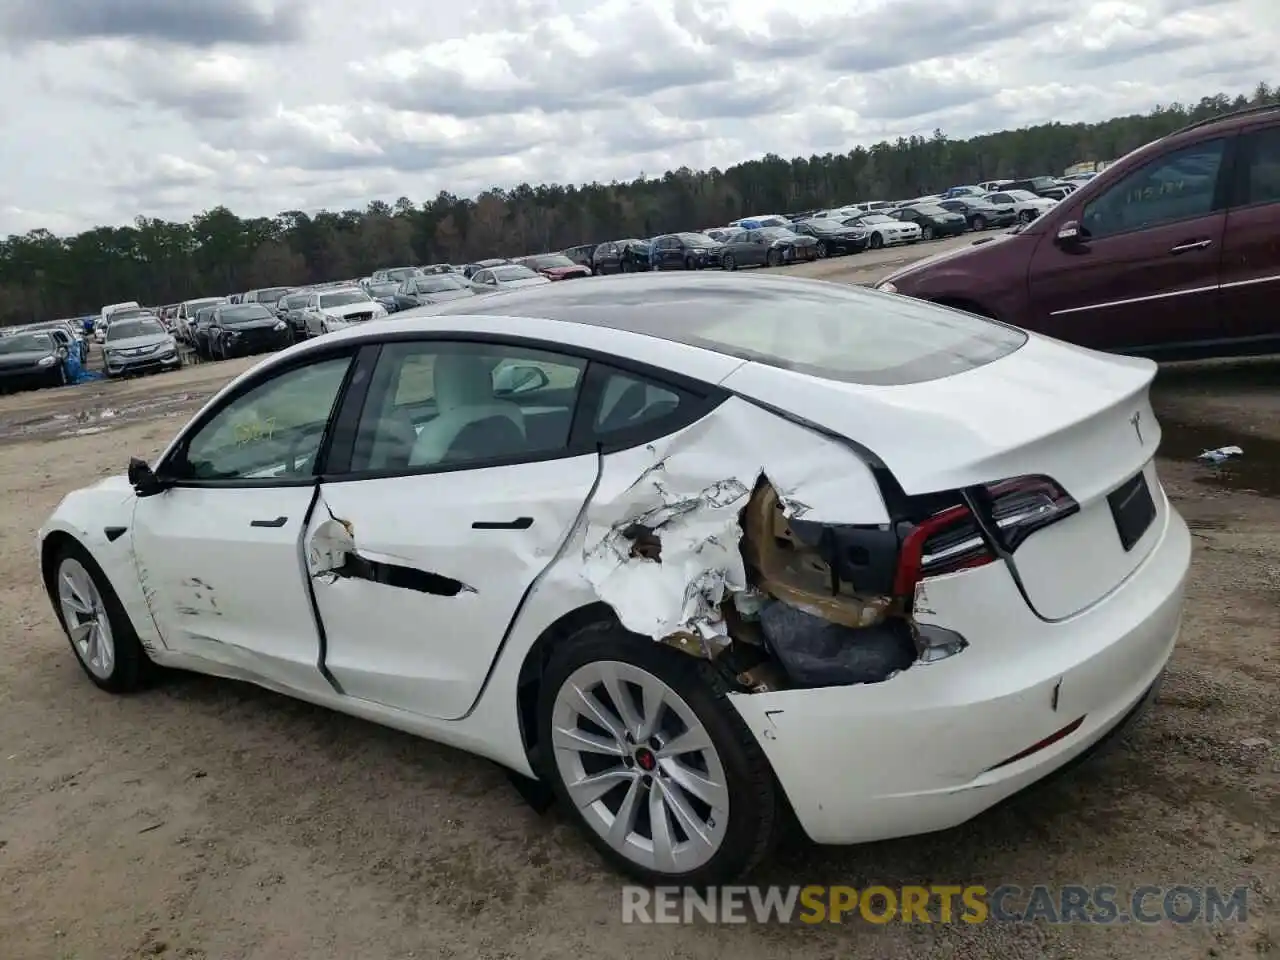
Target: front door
1145 271
219 554
460 489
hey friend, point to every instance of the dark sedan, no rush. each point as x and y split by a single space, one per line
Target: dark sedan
291 308
767 247
932 220
555 266
31 360
980 214
384 291
242 329
420 291
684 251
834 238
621 256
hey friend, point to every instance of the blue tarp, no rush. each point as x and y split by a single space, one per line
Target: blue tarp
76 371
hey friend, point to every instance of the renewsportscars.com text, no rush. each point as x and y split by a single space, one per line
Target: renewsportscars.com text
1068 904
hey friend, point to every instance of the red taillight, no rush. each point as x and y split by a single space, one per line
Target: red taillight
953 539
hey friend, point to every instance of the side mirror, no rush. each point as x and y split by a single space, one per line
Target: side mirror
1071 234
143 480
519 378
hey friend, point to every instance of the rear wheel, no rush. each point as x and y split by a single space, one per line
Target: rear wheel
101 636
649 758
822 250
979 222
773 258
927 233
728 263
1026 216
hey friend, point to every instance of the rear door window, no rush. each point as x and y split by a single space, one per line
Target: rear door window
1263 171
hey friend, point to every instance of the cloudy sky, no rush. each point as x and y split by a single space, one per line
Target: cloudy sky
114 108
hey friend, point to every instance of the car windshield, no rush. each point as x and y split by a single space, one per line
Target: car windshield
129 314
271 295
125 329
400 273
877 218
193 306
777 233
439 284
824 225
383 288
27 343
1021 194
696 240
550 261
295 301
343 298
930 209
513 271
246 313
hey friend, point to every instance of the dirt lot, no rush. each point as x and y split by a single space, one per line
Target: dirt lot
212 820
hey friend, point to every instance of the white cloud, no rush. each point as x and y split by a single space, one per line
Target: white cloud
116 108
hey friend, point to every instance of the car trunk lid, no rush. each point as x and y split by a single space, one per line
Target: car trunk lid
1047 409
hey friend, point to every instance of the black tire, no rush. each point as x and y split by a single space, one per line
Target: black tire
773 258
823 252
927 233
877 241
728 263
756 810
1026 216
689 264
132 669
979 222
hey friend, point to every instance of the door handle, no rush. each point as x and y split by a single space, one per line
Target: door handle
277 522
1191 245
519 523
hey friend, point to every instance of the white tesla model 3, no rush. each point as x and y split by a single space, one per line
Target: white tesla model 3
687 549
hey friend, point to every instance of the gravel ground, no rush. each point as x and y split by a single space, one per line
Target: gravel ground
209 819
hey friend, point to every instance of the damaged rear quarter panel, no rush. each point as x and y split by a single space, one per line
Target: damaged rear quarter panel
689 489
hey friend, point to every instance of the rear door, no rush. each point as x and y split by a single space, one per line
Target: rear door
438 514
1144 275
1251 248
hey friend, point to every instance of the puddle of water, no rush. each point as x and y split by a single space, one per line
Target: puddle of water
1258 471
91 421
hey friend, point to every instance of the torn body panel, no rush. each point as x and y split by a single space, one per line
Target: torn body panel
664 545
417 578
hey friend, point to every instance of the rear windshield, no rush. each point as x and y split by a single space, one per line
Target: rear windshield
824 330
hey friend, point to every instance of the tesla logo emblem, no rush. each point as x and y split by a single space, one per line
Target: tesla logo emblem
1136 422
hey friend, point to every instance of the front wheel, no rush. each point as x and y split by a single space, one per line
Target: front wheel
102 638
823 252
979 223
877 241
646 754
773 258
927 233
728 263
1026 216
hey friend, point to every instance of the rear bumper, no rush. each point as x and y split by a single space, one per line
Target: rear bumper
930 748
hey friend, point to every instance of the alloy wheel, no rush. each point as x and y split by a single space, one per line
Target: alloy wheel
86 618
822 250
928 233
640 766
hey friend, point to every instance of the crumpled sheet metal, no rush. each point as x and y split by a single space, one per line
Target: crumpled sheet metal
689 489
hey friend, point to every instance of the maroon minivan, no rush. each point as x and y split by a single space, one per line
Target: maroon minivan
1173 252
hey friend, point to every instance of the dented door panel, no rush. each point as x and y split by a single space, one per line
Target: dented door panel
221 570
417 578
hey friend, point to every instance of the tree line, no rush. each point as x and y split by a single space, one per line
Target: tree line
216 252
